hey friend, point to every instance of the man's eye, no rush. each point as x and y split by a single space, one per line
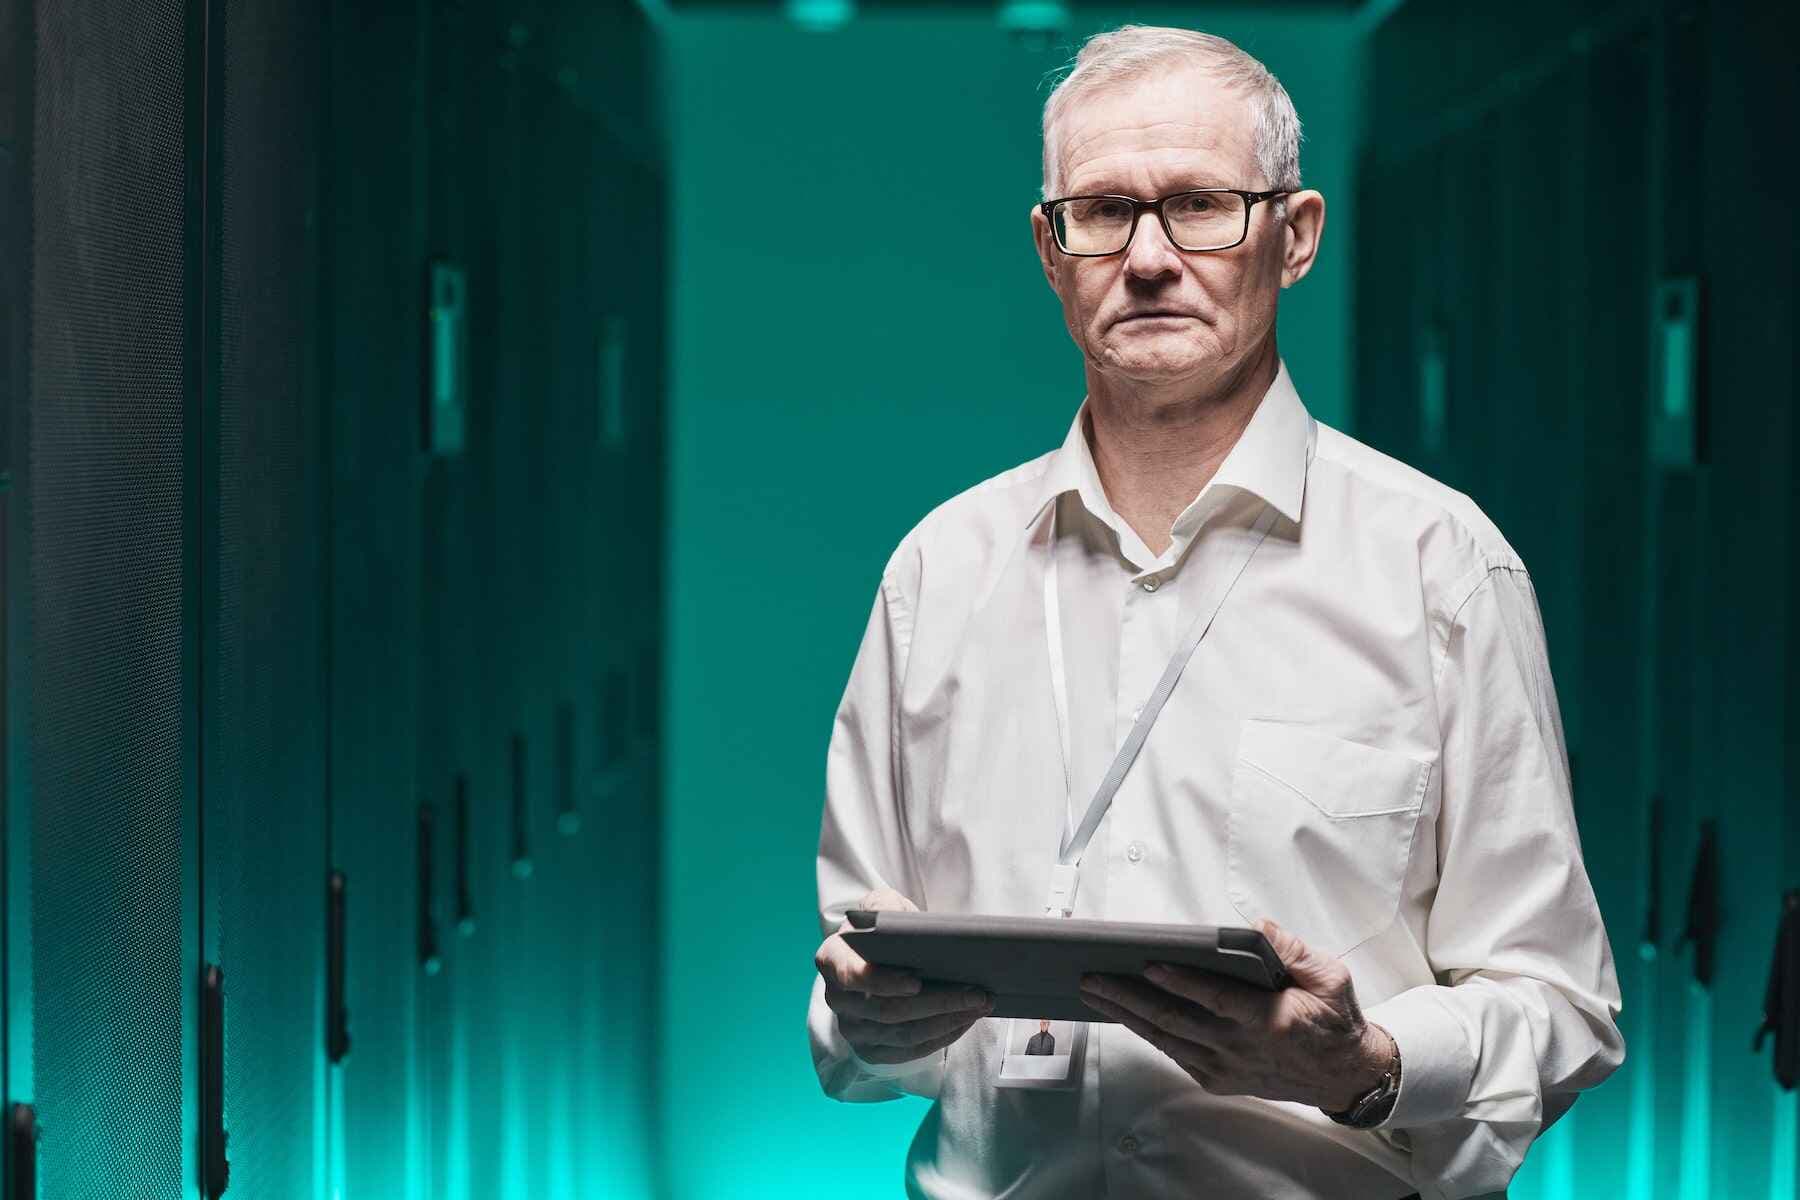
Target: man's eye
1102 210
1193 205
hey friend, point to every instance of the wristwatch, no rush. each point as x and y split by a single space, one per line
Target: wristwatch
1373 1106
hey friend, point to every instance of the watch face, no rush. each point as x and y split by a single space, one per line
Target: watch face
1376 1106
1378 1110
1372 1108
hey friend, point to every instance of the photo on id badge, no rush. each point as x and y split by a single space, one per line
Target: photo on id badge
1042 1053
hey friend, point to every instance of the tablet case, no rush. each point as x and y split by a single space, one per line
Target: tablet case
1033 965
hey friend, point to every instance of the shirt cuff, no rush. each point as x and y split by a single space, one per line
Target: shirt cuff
1436 1064
894 1070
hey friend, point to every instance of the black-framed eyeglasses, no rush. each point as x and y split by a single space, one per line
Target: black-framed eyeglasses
1202 219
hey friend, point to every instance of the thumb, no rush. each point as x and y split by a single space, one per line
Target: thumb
1309 970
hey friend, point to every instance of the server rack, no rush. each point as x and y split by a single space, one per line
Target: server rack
289 670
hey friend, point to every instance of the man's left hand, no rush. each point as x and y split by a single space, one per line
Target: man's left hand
1308 1042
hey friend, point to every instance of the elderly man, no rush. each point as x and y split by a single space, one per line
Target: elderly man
1363 754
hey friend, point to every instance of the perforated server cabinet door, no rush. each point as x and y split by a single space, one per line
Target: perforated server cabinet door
263 690
104 711
466 733
16 76
372 217
513 618
455 733
1603 704
620 941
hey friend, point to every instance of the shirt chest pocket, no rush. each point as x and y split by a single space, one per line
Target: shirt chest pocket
1320 832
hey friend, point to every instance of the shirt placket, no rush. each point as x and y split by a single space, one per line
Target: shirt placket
1149 611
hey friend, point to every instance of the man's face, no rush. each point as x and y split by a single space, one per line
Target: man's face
1043 1027
1166 133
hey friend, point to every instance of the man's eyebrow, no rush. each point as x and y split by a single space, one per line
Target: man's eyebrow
1110 187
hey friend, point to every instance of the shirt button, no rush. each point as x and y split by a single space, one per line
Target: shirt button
1128 1145
1150 584
1137 712
1135 852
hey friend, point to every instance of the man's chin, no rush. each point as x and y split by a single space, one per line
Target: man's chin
1143 368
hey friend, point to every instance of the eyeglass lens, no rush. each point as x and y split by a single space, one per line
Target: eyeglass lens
1196 221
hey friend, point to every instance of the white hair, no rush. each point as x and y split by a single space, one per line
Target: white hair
1132 52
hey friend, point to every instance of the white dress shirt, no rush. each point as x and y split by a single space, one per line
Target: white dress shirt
1366 747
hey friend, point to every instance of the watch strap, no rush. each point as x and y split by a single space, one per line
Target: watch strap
1373 1106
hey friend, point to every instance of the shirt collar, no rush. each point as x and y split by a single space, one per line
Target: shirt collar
1269 459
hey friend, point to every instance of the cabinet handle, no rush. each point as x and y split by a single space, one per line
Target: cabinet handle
215 1167
521 847
465 903
21 1152
1702 928
1651 942
428 939
337 1017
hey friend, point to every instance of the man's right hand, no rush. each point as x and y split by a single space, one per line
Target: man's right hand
886 1014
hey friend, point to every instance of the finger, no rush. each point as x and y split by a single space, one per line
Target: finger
1287 946
1314 972
1188 1054
845 968
908 1033
1231 1000
934 999
1204 1064
1157 1007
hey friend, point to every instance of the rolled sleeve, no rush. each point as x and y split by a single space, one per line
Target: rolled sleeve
1525 1012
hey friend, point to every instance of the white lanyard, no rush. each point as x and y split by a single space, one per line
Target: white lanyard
1066 873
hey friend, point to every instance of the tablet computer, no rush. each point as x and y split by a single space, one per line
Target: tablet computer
1033 965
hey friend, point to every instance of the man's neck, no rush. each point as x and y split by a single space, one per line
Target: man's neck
1155 450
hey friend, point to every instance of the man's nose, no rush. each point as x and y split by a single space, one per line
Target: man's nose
1151 253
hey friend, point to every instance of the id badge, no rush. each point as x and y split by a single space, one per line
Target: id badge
1042 1054
1038 1052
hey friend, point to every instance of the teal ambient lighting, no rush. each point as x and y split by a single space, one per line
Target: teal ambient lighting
1034 16
820 14
1556 1158
447 317
1642 1182
1675 342
1781 1148
1696 1109
458 1163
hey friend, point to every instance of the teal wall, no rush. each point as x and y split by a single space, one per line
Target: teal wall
831 382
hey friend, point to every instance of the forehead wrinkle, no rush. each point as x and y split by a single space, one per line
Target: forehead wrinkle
1203 173
1197 167
1209 134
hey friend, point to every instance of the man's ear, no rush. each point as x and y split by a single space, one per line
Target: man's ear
1045 240
1302 230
